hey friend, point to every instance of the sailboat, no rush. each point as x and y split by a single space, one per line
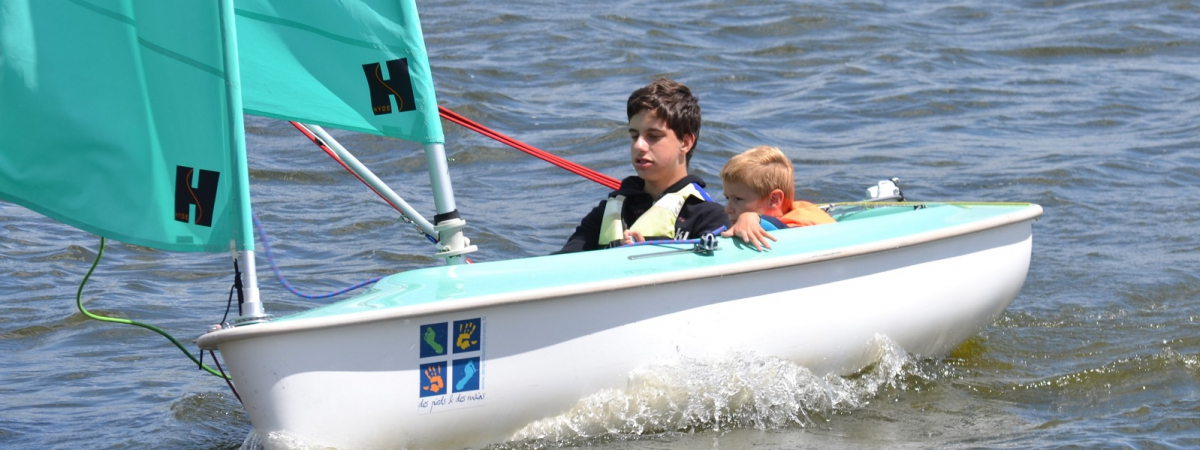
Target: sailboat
458 354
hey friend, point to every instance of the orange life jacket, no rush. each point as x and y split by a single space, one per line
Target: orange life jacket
804 214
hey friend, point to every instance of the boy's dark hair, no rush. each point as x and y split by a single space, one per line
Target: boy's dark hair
672 102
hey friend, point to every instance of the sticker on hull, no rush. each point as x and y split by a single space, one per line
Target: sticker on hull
468 337
433 340
433 381
466 374
452 365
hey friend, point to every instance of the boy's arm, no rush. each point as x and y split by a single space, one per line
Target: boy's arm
750 230
586 234
704 217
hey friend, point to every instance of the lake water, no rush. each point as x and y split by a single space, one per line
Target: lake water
1090 108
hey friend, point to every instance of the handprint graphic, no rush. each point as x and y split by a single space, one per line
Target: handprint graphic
466 330
433 374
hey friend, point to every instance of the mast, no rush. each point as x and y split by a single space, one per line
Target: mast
452 245
249 303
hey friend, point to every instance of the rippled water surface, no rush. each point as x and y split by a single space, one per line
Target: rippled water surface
1089 108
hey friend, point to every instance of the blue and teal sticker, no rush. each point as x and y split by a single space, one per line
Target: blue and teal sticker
450 367
466 374
433 340
433 379
467 335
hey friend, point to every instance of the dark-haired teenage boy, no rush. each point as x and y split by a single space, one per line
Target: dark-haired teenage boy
663 201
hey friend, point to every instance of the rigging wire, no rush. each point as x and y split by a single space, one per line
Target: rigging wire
228 380
328 151
79 303
605 180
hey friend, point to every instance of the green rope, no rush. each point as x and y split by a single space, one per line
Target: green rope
79 302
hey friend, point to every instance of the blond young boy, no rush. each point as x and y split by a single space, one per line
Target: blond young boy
760 189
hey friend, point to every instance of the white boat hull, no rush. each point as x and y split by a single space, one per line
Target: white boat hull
359 385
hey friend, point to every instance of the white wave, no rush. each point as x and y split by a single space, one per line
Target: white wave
738 390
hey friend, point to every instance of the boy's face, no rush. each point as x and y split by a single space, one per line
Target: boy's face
739 199
657 155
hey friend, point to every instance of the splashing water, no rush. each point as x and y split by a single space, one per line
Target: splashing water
278 441
738 390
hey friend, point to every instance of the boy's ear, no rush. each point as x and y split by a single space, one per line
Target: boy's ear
687 142
775 198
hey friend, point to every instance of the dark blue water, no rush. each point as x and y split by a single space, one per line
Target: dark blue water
1089 108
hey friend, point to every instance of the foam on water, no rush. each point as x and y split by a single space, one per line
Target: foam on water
739 390
277 441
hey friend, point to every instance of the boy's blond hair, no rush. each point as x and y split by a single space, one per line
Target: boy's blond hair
763 169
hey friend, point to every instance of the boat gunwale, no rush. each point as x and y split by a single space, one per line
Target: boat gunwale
212 339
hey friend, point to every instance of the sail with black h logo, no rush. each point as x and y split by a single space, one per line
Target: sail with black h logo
128 126
358 66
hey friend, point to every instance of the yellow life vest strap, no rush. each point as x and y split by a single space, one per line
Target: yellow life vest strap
659 220
611 227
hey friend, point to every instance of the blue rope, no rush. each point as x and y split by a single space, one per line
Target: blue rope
262 234
663 241
715 232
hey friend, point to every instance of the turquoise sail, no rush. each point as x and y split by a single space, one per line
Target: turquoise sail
357 65
121 118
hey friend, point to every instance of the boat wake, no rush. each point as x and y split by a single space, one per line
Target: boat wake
735 391
277 441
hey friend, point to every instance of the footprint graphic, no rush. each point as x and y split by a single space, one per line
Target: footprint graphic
431 339
468 373
434 374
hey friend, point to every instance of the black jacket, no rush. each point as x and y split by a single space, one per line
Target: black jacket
695 218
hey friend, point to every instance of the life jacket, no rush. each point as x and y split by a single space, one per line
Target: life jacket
659 220
804 214
768 223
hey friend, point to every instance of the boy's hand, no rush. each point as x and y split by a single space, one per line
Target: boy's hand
748 229
633 237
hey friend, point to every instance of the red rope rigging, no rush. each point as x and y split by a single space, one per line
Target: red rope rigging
607 181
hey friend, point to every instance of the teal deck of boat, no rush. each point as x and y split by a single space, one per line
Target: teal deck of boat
449 283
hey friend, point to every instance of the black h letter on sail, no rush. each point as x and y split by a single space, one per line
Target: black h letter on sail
400 85
203 197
